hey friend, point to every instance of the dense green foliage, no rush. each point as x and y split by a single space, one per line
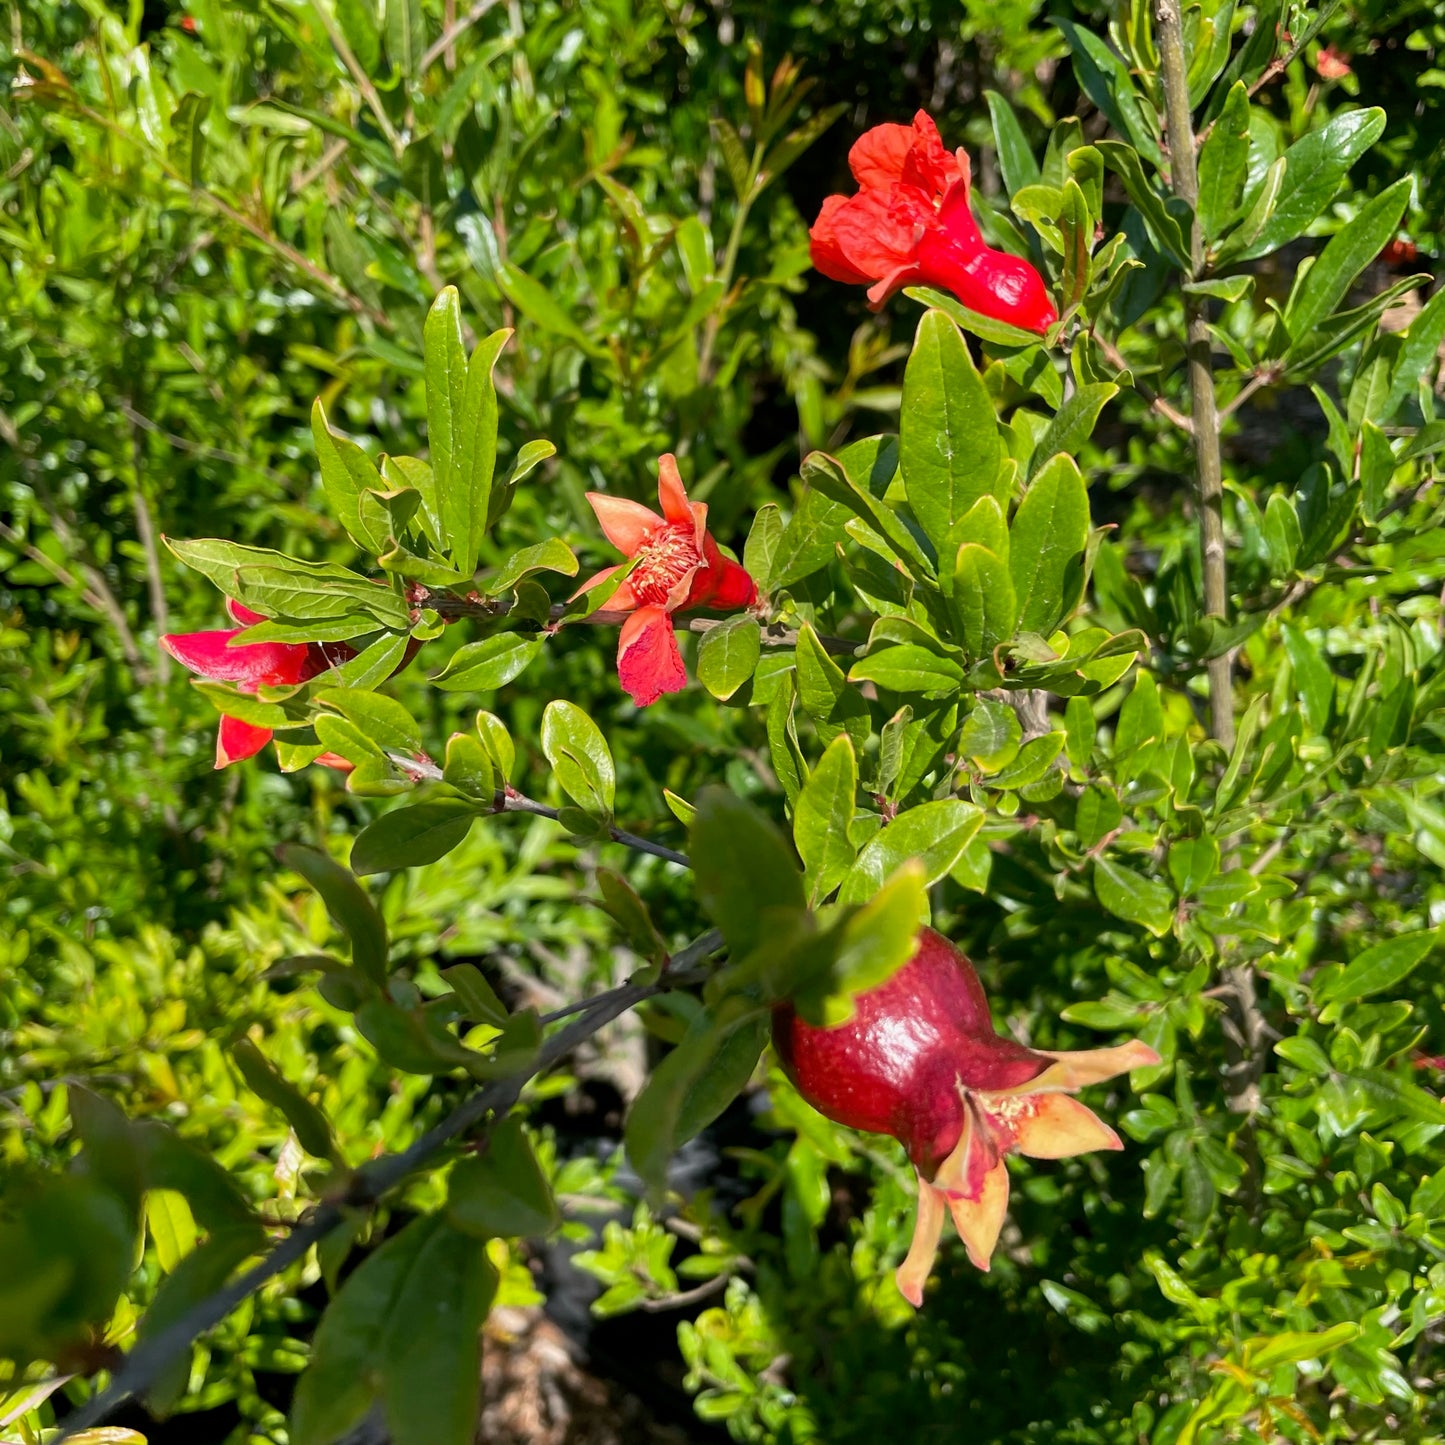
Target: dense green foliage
210 218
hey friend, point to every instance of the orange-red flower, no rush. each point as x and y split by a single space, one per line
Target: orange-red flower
676 565
252 665
910 225
1332 64
920 1060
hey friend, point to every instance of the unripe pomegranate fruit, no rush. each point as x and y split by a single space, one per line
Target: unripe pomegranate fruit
920 1060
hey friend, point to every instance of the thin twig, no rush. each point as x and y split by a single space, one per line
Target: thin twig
448 36
155 578
199 449
1164 408
367 1187
771 634
1265 377
1184 181
328 158
93 592
223 207
508 800
363 81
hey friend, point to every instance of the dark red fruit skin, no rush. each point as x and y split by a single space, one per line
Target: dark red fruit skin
897 1065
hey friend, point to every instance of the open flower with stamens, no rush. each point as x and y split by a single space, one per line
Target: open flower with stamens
252 665
910 224
676 565
920 1060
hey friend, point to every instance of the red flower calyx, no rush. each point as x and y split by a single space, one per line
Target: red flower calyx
920 1060
252 665
676 565
910 225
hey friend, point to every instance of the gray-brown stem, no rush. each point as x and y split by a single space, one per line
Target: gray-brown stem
1204 413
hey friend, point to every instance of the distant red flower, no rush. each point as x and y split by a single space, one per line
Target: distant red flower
676 566
252 665
1401 251
910 224
1331 64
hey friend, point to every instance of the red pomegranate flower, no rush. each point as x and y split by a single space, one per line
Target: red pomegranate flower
252 665
676 565
920 1060
1332 64
910 224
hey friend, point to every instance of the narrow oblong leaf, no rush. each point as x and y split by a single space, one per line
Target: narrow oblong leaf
347 902
728 655
413 836
465 502
1380 967
984 601
501 1192
349 477
1016 161
743 867
580 757
1314 166
1349 251
312 1129
1046 544
950 451
935 833
821 817
692 1086
489 664
1224 164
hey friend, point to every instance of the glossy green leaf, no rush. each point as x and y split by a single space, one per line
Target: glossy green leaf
1107 82
279 586
728 655
580 757
466 500
692 1086
1349 251
500 1191
1016 161
1131 896
489 664
553 555
909 669
312 1129
1418 353
1046 545
742 866
824 693
348 904
349 477
469 768
1074 423
950 452
878 939
1223 165
1314 166
1381 967
991 735
413 836
934 833
822 815
983 601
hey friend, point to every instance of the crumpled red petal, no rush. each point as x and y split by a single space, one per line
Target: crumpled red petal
252 664
649 662
237 740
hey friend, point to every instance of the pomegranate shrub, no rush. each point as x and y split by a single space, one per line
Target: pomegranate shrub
1021 815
